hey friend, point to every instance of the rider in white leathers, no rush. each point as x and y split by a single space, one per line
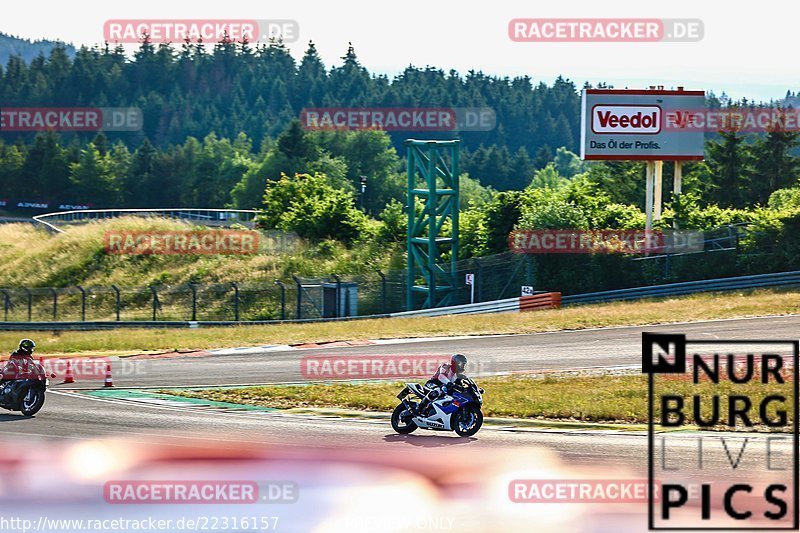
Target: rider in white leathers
443 379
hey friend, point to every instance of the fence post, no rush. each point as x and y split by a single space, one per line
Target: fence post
383 291
479 281
155 300
6 303
30 301
280 284
55 304
83 302
338 294
235 300
116 291
193 288
529 269
299 296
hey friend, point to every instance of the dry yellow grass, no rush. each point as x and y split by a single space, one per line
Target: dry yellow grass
30 256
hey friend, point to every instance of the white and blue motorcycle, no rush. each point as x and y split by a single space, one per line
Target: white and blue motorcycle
459 410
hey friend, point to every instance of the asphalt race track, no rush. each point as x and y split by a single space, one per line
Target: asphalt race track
69 415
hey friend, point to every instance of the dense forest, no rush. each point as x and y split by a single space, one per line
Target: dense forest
212 119
238 99
221 122
221 129
257 90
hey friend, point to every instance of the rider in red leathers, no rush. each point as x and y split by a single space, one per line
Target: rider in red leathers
21 365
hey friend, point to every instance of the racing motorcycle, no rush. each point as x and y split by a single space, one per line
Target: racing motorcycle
24 395
459 410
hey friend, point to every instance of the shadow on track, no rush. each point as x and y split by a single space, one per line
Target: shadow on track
425 441
11 418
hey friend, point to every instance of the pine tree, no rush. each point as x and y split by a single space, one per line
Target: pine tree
774 165
92 178
729 171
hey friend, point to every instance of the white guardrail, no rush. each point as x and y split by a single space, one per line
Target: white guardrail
508 305
213 217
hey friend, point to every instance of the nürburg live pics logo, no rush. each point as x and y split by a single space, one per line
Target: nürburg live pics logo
722 433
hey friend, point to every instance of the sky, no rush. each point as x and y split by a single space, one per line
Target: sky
745 51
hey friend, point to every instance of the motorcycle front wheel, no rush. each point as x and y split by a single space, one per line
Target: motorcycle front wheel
32 401
398 424
468 421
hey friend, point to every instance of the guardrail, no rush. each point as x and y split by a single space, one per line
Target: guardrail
16 220
688 287
497 306
149 324
217 217
540 300
545 300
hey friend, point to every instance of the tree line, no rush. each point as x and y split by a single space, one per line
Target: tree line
191 91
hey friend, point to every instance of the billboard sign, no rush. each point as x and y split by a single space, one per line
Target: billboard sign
630 125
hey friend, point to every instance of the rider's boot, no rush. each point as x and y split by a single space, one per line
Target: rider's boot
422 407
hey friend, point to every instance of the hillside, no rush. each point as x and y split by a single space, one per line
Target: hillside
32 257
27 49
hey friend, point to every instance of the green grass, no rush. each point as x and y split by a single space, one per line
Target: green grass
617 399
32 257
679 309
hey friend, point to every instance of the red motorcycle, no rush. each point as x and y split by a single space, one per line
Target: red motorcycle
25 395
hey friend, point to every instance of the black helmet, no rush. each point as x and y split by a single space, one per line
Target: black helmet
458 362
26 345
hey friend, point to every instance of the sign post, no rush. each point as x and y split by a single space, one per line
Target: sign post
659 171
527 290
648 203
471 282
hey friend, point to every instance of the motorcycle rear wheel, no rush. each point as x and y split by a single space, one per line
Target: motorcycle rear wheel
398 424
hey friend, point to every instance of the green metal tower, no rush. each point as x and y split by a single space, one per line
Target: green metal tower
433 186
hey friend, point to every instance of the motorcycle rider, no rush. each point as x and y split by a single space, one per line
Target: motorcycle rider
442 380
21 365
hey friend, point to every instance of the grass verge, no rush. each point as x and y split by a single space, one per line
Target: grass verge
615 399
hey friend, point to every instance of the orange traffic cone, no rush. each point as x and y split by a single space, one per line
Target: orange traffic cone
69 378
109 381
